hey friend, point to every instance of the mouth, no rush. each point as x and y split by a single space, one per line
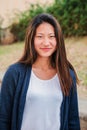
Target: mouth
45 49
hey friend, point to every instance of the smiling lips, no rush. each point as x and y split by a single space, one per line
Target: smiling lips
45 49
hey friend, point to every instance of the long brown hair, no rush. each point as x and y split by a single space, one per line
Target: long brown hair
58 58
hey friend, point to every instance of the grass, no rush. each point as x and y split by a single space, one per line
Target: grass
76 49
8 49
9 54
77 54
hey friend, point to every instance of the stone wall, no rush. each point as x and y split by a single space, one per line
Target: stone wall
6 37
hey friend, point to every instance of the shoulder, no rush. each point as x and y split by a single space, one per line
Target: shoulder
15 73
16 66
72 74
74 83
15 70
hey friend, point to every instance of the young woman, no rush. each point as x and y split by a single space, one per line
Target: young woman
39 92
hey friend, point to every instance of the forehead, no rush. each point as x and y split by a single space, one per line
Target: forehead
45 27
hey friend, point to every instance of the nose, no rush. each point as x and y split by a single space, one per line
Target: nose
46 41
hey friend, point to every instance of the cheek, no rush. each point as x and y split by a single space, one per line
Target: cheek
36 42
55 48
55 44
36 45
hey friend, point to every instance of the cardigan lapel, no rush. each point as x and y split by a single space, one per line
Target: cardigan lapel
23 96
64 113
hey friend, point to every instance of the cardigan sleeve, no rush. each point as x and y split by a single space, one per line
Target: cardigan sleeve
74 123
7 98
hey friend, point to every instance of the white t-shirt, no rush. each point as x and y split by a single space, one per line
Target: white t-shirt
42 106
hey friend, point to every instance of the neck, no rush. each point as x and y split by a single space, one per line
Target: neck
42 63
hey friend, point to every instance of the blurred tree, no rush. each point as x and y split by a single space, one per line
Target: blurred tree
19 29
71 14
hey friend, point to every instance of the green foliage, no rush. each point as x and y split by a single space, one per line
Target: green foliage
83 75
19 29
71 14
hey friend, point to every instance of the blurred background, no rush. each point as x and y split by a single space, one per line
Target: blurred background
15 16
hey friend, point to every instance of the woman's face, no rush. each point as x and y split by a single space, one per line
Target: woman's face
45 40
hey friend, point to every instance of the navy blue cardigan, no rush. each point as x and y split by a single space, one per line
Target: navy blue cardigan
13 95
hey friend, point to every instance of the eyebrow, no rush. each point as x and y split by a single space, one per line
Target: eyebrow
49 33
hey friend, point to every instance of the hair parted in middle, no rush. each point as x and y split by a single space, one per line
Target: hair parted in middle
58 59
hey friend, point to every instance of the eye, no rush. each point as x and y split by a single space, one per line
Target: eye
39 36
52 36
